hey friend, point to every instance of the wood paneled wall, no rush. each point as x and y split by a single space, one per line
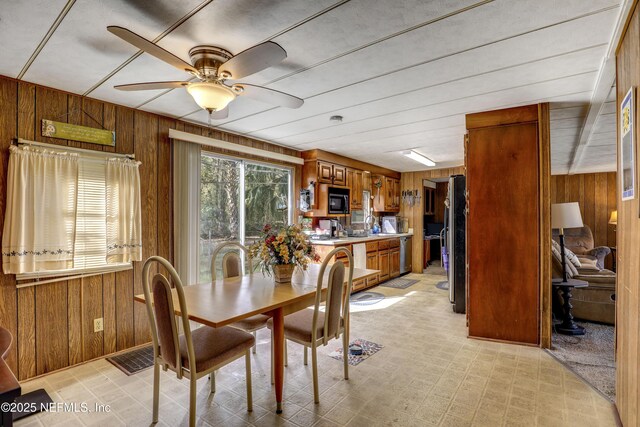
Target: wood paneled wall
628 243
52 324
415 214
597 195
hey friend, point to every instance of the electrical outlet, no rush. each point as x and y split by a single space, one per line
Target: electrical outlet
98 325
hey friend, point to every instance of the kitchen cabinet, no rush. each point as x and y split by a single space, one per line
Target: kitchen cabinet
332 174
354 182
325 173
387 196
383 264
339 175
394 262
372 261
366 181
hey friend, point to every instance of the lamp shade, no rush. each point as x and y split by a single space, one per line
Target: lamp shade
566 215
211 96
614 218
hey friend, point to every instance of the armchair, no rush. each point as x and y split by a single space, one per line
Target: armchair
596 302
580 242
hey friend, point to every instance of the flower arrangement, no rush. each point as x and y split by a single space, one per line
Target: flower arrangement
285 247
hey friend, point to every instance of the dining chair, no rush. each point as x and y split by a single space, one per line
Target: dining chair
313 327
232 267
192 354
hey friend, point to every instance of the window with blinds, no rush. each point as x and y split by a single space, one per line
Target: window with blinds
90 244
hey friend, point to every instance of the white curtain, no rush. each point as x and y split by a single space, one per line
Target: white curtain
39 223
186 209
124 223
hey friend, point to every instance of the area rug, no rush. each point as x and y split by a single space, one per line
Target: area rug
399 283
443 285
369 348
366 298
134 361
590 356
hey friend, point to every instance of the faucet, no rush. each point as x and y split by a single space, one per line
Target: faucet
366 222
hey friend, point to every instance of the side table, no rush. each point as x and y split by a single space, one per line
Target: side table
568 326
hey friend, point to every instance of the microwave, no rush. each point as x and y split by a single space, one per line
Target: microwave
338 200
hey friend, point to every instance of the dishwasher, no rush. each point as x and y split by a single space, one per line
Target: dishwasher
406 252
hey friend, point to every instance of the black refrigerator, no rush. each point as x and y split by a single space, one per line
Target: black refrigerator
455 241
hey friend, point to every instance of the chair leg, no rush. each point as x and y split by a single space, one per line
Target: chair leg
306 357
314 366
255 335
345 354
156 391
248 380
192 401
286 358
212 378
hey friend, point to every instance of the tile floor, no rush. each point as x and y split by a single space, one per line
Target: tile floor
428 373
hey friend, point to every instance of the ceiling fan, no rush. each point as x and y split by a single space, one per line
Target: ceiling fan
213 67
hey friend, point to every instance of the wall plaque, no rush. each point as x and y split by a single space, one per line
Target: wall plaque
78 133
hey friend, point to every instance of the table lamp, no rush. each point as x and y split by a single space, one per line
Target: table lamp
565 215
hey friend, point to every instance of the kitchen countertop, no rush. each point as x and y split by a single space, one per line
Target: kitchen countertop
349 240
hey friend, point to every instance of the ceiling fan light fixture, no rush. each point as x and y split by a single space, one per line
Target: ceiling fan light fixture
211 96
413 155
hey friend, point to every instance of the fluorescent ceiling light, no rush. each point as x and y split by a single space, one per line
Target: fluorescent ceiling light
419 158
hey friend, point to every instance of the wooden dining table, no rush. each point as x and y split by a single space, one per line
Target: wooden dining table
226 301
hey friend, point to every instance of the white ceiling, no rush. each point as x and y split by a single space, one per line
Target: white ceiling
402 73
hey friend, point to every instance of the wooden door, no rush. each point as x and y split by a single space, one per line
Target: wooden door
325 172
383 264
366 181
339 175
388 194
503 233
379 194
356 190
394 262
372 261
396 194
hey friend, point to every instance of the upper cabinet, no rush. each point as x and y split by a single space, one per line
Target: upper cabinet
332 174
355 184
386 193
331 170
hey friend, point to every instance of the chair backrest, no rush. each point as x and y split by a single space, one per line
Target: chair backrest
161 314
578 240
337 299
231 262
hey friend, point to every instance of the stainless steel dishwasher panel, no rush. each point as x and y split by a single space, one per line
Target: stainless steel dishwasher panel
406 254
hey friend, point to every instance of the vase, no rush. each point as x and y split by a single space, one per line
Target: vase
282 272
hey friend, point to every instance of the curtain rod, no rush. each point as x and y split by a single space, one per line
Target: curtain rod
20 141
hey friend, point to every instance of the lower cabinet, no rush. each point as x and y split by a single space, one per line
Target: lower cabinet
394 262
383 264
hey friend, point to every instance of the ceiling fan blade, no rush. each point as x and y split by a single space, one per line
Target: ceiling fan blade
151 48
254 59
269 96
152 85
222 114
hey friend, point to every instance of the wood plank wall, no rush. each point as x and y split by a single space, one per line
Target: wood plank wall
415 214
597 195
628 243
52 324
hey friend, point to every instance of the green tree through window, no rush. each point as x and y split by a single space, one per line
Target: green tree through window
265 199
